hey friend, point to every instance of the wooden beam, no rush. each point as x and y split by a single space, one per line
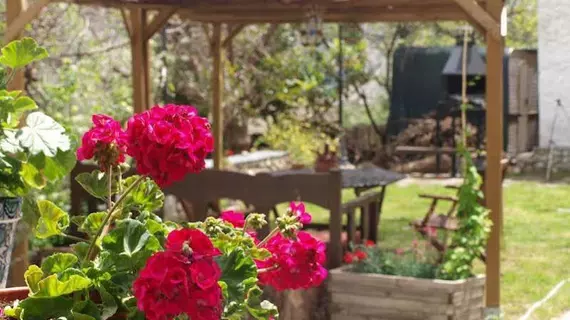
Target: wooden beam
158 22
450 12
15 9
206 29
493 172
127 21
217 87
482 17
140 61
16 26
233 32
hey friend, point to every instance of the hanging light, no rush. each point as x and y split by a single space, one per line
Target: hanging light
312 32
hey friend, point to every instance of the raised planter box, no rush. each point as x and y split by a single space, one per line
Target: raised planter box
380 297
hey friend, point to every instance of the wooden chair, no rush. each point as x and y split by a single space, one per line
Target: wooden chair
199 193
433 223
264 192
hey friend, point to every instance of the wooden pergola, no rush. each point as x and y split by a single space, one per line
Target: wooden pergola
225 18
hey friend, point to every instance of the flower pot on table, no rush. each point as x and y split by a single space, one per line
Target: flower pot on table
358 296
10 214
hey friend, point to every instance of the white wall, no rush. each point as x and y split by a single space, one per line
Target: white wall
554 69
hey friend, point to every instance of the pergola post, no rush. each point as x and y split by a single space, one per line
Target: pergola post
140 59
493 172
20 260
217 87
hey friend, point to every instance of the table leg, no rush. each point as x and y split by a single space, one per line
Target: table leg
375 210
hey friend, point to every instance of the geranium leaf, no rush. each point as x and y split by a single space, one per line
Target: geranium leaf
93 222
10 143
86 310
20 53
109 306
80 249
95 182
53 220
147 196
35 308
57 167
130 244
260 309
43 135
53 287
33 276
239 273
32 176
58 262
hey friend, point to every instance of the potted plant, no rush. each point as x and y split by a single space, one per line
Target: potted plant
132 265
33 152
413 285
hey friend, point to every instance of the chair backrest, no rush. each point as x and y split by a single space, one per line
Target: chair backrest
263 192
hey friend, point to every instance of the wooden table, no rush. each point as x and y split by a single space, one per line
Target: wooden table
361 180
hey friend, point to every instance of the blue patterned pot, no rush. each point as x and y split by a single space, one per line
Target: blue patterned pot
10 214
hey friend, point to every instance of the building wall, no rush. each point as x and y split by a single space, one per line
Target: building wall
554 70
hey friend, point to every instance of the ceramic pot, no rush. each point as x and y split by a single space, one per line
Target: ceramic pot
10 214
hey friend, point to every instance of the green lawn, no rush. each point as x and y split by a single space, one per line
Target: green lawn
536 249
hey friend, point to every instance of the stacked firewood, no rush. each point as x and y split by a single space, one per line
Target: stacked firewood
423 133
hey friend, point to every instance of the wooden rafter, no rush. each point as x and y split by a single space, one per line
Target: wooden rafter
233 32
127 22
481 16
17 25
158 22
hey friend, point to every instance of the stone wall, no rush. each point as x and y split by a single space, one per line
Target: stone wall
537 161
554 69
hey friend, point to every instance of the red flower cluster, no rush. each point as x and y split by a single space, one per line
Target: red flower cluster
105 141
352 257
298 209
181 280
169 142
237 219
294 264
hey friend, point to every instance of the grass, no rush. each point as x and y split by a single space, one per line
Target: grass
536 248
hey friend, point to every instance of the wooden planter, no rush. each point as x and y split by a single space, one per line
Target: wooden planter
381 297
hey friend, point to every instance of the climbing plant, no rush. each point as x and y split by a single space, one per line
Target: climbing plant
468 242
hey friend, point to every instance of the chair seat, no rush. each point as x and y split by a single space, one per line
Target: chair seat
438 221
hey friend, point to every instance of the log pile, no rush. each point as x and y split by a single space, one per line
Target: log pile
423 133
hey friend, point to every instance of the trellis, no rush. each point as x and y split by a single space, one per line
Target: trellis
143 18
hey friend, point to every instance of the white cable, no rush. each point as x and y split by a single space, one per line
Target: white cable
537 305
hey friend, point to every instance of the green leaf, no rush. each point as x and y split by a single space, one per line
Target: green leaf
53 221
53 287
93 222
32 176
57 167
147 196
80 249
58 262
109 306
238 272
33 276
128 238
41 308
20 53
96 183
130 244
86 310
43 135
260 310
10 143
